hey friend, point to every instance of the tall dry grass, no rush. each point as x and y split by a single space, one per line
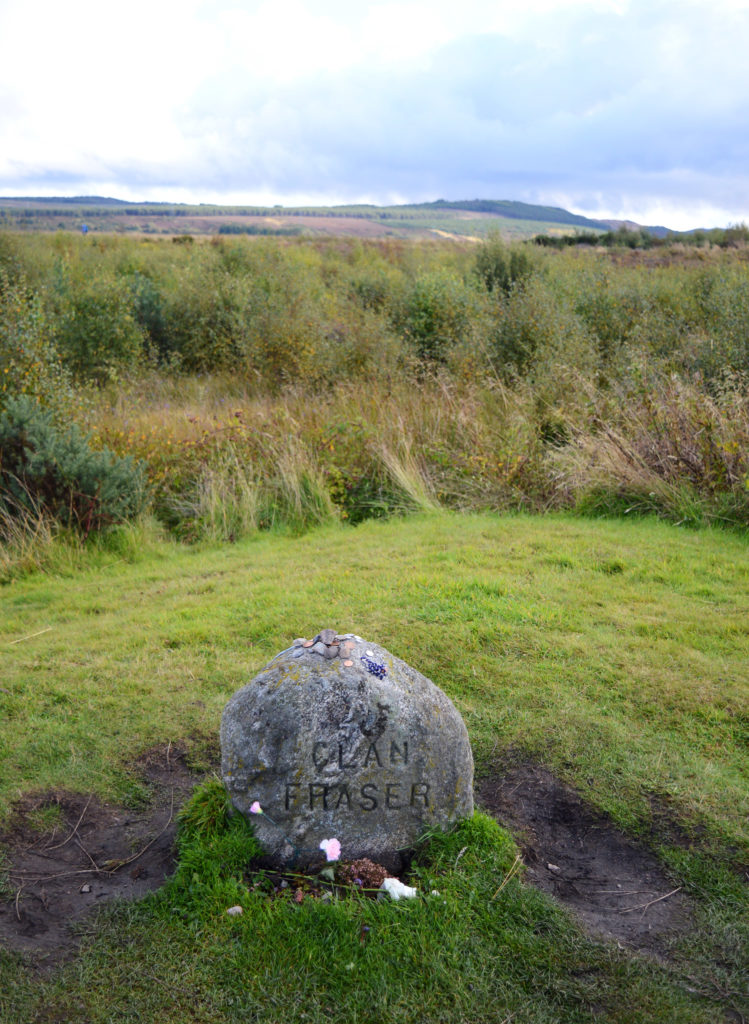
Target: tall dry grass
668 446
224 463
27 537
357 450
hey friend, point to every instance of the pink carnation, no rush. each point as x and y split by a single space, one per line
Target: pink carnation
332 848
256 808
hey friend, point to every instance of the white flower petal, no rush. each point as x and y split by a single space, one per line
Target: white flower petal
396 889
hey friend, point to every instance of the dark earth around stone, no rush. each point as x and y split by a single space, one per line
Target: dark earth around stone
550 822
613 885
53 876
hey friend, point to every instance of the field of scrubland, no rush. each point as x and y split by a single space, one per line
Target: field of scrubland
268 381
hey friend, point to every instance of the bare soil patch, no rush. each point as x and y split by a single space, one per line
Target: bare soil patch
95 854
615 886
99 852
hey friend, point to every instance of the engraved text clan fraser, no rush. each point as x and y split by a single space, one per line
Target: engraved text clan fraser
387 793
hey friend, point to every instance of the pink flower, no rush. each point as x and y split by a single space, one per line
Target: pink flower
256 808
332 848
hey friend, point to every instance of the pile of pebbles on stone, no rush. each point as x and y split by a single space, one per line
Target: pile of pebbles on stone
327 644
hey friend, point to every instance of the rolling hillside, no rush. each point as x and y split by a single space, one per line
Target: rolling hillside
469 219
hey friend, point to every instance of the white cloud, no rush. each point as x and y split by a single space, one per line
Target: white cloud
613 105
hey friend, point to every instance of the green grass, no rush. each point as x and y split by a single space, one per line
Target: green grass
615 652
464 952
618 650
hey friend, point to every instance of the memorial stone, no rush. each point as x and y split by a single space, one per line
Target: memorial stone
337 737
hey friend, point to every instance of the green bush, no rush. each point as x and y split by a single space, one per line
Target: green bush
29 361
55 471
536 332
723 297
98 331
256 309
150 314
205 315
501 267
288 326
436 314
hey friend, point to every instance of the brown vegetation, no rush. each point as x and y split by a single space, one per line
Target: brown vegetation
266 382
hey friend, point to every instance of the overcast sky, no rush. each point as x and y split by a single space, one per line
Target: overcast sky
622 108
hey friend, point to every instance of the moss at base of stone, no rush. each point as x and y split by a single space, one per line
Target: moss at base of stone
478 839
219 857
216 849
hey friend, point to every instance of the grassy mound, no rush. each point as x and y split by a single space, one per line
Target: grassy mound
613 652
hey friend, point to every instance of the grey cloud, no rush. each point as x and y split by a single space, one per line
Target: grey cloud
651 104
601 103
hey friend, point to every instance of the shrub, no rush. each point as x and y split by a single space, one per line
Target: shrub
149 312
610 306
256 309
44 468
205 315
371 288
287 323
662 445
500 267
723 297
535 329
435 314
98 331
29 361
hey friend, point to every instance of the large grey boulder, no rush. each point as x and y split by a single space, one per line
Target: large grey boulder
337 738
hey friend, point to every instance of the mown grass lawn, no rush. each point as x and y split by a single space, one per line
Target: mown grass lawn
615 652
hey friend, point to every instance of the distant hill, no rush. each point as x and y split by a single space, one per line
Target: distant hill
657 229
65 200
520 211
462 219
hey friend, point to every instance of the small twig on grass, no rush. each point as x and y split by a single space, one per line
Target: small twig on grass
124 863
516 865
18 897
83 849
29 637
75 827
514 789
723 993
644 906
164 984
37 841
34 880
621 892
